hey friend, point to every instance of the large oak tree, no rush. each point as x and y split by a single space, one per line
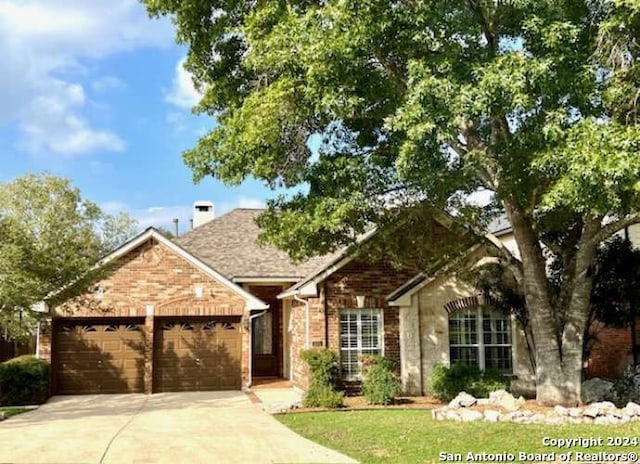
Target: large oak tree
425 102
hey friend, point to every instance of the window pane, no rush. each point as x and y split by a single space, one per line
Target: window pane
465 355
263 334
360 333
498 357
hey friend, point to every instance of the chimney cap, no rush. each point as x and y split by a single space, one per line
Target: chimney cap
203 212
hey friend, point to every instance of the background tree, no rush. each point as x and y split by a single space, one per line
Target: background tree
50 236
423 103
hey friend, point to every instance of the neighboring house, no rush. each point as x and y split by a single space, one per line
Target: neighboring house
213 310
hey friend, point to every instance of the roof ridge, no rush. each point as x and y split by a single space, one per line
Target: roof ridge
200 228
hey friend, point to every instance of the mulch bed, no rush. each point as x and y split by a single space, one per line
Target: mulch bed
358 403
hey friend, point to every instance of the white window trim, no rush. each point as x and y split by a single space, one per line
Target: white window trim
359 348
480 336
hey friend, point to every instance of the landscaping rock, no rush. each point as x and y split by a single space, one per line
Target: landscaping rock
599 409
561 411
632 409
505 400
596 389
491 416
606 420
575 413
3 415
463 400
557 420
591 412
538 418
453 416
470 415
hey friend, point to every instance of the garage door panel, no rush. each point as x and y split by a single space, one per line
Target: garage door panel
192 354
104 357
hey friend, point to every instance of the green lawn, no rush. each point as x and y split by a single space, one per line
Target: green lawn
14 411
409 436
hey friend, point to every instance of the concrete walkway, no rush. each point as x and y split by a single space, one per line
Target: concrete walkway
199 427
275 400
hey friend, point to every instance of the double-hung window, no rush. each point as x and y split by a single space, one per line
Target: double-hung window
481 337
360 334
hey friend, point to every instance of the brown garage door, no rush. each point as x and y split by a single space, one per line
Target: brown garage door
98 357
197 354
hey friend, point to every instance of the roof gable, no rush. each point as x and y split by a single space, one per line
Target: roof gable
151 233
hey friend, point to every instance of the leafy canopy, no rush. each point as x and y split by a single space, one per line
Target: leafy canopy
416 102
50 236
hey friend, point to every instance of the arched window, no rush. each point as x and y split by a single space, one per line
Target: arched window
481 336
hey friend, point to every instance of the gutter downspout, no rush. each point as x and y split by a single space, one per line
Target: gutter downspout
251 318
307 331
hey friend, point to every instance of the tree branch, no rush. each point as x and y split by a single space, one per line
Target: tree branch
485 24
611 228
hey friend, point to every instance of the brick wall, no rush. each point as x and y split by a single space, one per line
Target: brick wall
373 280
153 275
611 353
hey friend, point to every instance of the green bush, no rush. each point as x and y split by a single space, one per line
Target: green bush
380 384
626 388
447 382
323 369
24 380
322 396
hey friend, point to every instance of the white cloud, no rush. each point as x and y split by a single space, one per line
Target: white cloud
106 83
51 123
43 43
183 93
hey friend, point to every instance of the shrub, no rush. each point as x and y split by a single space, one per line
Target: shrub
322 396
24 380
627 388
447 382
323 368
380 384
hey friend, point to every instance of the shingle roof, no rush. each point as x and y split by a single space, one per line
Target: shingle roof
229 245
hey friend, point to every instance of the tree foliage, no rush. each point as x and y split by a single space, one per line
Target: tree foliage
615 297
50 237
422 103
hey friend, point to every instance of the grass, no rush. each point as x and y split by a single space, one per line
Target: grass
14 411
411 436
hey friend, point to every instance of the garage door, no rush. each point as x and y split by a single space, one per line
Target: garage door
197 354
92 357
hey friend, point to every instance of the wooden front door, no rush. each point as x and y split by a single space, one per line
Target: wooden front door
265 340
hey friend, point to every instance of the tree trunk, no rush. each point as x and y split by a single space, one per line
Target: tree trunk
557 337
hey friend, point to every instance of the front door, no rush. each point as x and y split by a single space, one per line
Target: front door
266 342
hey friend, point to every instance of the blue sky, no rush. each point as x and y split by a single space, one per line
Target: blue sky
93 90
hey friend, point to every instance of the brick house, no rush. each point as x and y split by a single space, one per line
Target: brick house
213 310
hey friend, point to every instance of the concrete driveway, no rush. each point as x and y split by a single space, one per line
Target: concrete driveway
199 427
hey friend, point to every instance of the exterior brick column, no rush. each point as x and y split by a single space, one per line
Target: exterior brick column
148 350
44 340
